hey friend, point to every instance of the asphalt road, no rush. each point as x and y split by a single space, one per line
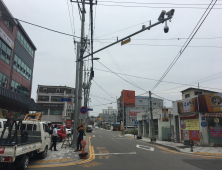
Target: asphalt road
115 152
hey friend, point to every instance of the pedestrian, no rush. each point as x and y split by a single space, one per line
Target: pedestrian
54 138
50 128
80 135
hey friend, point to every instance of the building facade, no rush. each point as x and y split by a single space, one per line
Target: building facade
108 115
190 92
16 65
134 105
55 110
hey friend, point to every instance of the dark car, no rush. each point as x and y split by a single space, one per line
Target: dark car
88 129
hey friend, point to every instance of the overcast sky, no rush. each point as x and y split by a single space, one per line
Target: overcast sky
142 57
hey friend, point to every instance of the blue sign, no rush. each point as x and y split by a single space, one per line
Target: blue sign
203 124
90 109
83 109
202 118
136 122
65 99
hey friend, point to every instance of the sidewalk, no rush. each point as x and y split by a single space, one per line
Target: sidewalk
63 155
183 148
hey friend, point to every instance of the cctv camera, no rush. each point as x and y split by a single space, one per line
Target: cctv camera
161 17
166 29
170 13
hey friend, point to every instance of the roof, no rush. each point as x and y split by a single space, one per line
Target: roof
50 86
147 97
191 88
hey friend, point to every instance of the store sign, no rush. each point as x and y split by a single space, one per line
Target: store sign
9 114
68 123
145 117
133 113
48 105
186 135
187 105
165 115
190 124
216 132
128 98
210 102
8 41
203 124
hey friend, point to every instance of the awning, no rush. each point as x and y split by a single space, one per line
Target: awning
183 115
213 115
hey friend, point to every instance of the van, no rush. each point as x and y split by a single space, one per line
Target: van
2 125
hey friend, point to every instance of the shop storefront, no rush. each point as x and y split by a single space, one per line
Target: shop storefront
214 128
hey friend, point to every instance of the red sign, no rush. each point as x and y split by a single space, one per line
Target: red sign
216 132
68 123
133 113
2 150
129 98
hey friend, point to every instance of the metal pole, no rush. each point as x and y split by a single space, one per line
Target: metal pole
81 62
170 125
75 116
151 113
123 110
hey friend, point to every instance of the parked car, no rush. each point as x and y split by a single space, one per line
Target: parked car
96 127
88 129
61 133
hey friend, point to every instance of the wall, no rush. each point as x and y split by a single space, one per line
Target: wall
192 92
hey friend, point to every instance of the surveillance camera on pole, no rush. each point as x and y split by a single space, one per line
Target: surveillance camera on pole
170 13
166 28
162 14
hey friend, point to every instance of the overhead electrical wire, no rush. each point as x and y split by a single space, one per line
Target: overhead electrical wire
185 44
41 27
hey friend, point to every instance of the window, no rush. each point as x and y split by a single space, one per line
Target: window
3 80
72 92
25 44
45 128
22 68
55 98
45 90
56 112
57 90
155 122
5 52
140 101
28 127
45 112
187 95
43 98
197 93
19 89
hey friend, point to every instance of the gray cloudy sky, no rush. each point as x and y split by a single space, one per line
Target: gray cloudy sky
55 57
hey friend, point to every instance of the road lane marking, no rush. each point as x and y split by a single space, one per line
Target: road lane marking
148 148
88 165
104 151
114 153
93 136
100 148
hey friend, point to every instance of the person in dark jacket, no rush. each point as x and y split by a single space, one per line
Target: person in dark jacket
80 135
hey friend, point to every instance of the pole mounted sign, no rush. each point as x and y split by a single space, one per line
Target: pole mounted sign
83 110
126 41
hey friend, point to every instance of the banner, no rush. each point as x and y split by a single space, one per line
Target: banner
210 102
165 115
216 132
129 98
8 41
4 114
133 113
190 124
187 105
68 123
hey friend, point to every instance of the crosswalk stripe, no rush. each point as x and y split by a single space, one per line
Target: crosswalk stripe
93 136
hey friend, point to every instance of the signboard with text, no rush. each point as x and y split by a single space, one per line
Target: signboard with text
128 98
68 123
187 105
165 115
190 124
133 113
216 132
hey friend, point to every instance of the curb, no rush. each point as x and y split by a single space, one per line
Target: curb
71 162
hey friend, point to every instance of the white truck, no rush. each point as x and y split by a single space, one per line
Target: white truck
26 138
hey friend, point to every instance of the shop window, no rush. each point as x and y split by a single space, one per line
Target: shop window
45 112
187 95
55 98
56 112
22 68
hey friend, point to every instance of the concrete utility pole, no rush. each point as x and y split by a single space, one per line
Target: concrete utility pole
151 113
123 110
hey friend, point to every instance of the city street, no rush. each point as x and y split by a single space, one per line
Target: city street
113 151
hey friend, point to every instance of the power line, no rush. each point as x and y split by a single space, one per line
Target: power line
131 6
162 97
122 77
165 81
100 97
41 26
183 49
102 89
131 2
171 45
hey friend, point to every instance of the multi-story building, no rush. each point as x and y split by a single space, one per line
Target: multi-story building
191 92
54 109
16 65
108 115
133 105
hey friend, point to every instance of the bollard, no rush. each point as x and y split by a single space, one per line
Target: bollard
191 145
84 154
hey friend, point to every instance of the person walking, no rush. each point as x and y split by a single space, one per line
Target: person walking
80 135
54 138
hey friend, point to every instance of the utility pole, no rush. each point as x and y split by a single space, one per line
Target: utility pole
151 113
123 110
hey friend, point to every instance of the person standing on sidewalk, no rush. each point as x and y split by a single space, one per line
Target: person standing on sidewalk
54 138
80 135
